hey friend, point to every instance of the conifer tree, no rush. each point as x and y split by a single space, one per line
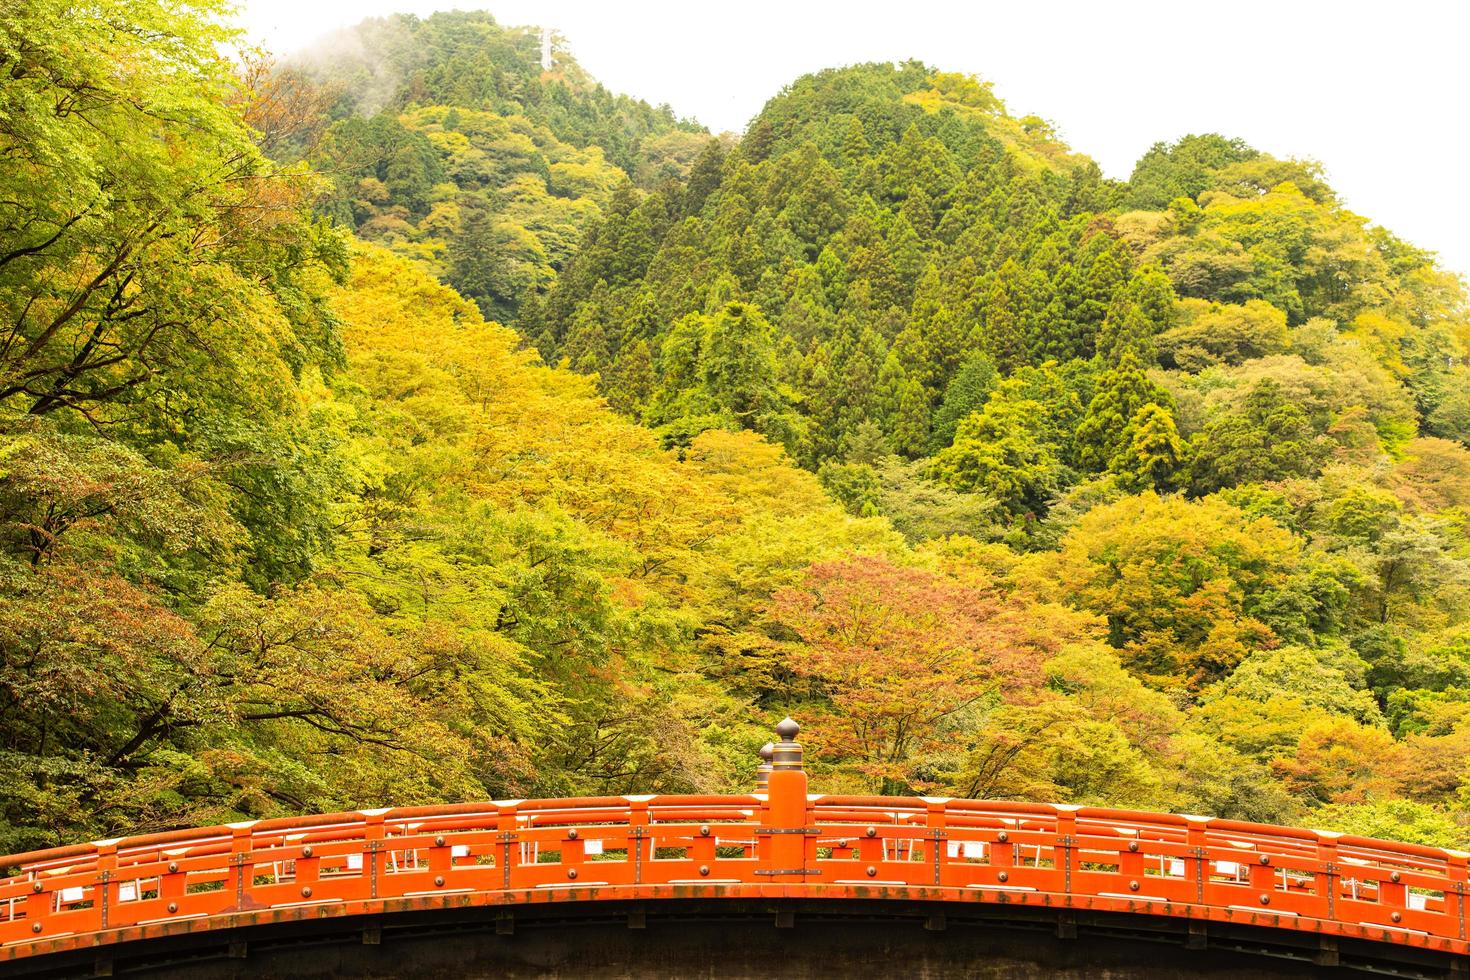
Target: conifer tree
964 395
1153 456
1002 334
910 427
1121 393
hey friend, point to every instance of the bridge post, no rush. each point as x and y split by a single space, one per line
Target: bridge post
1067 842
782 853
936 822
107 889
1325 884
1459 873
242 843
373 834
1198 860
507 825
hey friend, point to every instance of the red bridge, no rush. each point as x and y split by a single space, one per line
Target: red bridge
779 857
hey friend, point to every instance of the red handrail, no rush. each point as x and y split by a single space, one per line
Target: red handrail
781 844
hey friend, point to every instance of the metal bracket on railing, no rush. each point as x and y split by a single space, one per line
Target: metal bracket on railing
1066 844
104 877
1331 870
638 854
240 860
372 856
786 871
809 831
1199 874
506 838
937 835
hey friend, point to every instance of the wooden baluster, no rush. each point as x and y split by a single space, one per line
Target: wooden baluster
373 834
1393 894
104 894
39 904
1003 855
308 872
1132 862
1263 879
173 881
640 846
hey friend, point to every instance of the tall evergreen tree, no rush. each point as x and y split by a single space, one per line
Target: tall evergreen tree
964 395
1121 393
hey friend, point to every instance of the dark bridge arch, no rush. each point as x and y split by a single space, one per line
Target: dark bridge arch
986 875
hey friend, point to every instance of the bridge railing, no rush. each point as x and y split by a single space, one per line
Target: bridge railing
784 842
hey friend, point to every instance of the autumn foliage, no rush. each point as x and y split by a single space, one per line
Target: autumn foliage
901 655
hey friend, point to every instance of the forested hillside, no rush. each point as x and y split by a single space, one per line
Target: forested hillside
1008 480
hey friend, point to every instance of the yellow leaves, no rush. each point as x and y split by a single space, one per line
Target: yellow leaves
1174 578
1143 230
1383 335
1093 678
456 410
593 177
966 90
1031 139
451 143
471 122
1340 761
755 473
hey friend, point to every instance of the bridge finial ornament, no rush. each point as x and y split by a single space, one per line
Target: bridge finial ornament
763 771
786 754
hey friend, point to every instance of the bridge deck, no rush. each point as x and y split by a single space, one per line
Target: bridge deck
779 845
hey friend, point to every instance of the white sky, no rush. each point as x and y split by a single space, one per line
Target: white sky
1373 90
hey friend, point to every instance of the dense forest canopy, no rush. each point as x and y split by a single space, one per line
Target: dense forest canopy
407 421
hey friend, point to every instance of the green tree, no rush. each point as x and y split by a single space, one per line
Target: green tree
1007 317
1182 169
964 395
128 282
1104 434
1152 455
1000 451
1268 438
1137 314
